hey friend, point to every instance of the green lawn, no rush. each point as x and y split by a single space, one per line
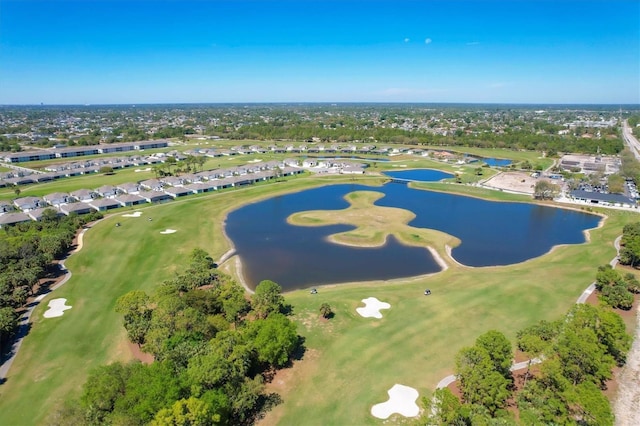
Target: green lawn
350 361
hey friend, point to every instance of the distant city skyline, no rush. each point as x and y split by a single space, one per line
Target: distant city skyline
446 51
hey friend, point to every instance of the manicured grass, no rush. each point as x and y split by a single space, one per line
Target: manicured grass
350 361
356 360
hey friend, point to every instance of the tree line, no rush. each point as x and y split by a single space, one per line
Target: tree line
510 139
577 355
213 349
27 251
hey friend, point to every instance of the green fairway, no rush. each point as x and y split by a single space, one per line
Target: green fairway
350 361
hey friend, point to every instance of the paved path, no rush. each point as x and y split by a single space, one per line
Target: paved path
582 299
23 322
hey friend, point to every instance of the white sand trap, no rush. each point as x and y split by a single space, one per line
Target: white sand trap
56 308
372 308
168 231
402 400
148 169
257 160
134 214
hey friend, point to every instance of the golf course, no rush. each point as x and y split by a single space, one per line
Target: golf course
349 362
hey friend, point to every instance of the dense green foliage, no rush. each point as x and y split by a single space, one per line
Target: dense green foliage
630 251
212 349
26 252
577 362
578 354
615 289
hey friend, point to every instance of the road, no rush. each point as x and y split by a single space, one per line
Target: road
630 140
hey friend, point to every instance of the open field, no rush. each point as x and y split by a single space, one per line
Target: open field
350 361
353 360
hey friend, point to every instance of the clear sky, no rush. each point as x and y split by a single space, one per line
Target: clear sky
148 51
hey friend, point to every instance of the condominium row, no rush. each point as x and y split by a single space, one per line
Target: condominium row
79 151
109 197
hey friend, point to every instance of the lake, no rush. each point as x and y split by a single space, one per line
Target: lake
492 233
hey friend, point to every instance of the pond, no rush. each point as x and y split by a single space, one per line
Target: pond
421 175
492 233
496 162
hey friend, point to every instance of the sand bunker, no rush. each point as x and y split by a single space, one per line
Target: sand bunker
402 400
168 231
148 169
56 308
257 160
134 214
372 308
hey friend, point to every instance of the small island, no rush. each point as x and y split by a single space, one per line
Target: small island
373 224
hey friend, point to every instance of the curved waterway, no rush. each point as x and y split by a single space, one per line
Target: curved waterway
492 233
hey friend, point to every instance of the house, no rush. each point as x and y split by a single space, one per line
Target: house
38 213
190 178
177 191
28 203
75 152
84 195
602 199
351 170
173 180
20 157
150 145
223 183
154 196
13 218
107 191
104 204
195 188
21 180
56 199
127 200
77 208
129 188
152 185
45 177
5 206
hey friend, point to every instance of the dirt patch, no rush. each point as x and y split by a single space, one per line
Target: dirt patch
514 181
137 353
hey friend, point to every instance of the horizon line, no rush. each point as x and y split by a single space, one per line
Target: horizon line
134 104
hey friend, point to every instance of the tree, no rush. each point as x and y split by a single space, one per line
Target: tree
8 324
480 383
633 285
137 314
582 357
170 161
499 349
187 412
616 184
267 298
149 388
107 170
104 386
325 311
17 192
445 408
545 190
274 339
201 160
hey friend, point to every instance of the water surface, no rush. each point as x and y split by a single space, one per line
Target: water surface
492 233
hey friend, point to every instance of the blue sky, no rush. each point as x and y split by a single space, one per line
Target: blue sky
147 51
